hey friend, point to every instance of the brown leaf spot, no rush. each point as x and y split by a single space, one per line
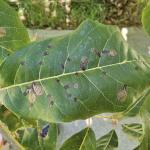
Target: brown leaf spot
37 88
2 32
122 94
96 52
83 63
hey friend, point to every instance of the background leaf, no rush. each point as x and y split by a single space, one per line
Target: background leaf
82 140
13 34
108 141
146 18
134 130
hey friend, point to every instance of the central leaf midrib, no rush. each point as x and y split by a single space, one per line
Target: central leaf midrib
66 74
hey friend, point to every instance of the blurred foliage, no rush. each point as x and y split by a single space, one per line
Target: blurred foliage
68 14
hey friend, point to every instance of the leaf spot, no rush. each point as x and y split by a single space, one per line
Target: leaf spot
44 131
122 94
66 86
45 53
76 85
37 88
111 53
2 32
83 63
22 63
96 52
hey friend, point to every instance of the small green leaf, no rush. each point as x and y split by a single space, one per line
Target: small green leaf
83 140
40 137
134 130
29 138
108 141
146 18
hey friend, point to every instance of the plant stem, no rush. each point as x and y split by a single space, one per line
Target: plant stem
11 140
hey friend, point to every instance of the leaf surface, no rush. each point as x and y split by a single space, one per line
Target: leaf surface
108 141
83 140
88 72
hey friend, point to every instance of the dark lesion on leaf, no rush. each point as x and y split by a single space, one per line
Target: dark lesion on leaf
96 52
58 80
49 46
45 53
75 99
22 63
68 59
44 131
66 86
107 52
62 66
84 63
50 100
40 63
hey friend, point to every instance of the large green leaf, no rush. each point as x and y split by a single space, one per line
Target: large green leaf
108 141
146 18
13 34
83 140
85 73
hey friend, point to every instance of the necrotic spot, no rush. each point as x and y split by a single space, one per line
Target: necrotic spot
45 53
22 63
96 52
83 63
122 93
66 86
76 85
37 88
68 59
44 131
75 99
62 66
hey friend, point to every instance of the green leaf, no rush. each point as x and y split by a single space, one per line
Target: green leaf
146 18
29 138
88 72
32 138
145 115
83 140
13 34
135 130
108 141
9 119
